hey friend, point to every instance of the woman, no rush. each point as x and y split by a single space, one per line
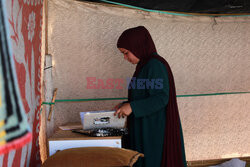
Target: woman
153 118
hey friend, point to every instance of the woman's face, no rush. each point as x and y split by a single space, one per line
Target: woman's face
129 56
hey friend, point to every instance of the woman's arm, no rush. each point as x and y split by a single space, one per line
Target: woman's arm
158 98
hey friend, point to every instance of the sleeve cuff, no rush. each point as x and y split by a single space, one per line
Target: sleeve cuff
133 106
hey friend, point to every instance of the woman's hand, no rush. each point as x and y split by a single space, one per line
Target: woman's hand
117 106
124 110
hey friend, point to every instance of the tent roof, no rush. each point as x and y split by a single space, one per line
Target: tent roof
189 6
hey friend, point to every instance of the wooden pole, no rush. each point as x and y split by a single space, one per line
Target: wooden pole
52 105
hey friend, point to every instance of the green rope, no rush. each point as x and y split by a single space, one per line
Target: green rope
170 13
48 103
212 94
124 98
97 99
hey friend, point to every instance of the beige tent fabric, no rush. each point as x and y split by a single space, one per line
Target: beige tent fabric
206 55
216 127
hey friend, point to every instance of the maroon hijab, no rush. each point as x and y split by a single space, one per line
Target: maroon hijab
138 41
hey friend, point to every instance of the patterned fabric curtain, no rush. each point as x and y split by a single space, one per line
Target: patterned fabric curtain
23 21
14 129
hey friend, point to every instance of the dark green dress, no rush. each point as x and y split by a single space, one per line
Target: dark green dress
147 121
